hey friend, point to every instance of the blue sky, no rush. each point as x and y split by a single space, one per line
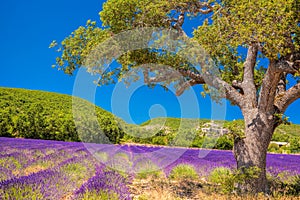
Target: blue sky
27 29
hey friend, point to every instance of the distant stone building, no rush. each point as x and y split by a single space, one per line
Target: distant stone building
212 127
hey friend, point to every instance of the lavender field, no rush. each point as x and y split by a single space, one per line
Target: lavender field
40 169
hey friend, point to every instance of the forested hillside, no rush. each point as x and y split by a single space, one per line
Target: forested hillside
46 115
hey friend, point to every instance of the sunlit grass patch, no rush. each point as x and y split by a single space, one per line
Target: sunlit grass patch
183 171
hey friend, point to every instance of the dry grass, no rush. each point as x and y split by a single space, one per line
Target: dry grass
67 197
164 189
29 170
33 169
157 194
215 196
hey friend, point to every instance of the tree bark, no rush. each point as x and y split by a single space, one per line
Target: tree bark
250 151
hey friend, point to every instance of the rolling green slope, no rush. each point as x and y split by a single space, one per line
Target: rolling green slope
46 115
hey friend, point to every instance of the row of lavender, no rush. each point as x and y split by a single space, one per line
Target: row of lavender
130 159
56 170
38 169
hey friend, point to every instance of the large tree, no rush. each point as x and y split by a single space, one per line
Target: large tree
237 34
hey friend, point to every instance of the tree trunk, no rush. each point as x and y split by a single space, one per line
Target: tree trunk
250 151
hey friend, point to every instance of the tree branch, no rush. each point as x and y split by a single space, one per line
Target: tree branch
238 86
287 98
281 87
203 8
179 23
225 89
196 7
162 77
197 77
229 92
289 64
288 67
186 85
268 88
248 84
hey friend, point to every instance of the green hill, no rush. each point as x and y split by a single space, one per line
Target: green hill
46 115
177 131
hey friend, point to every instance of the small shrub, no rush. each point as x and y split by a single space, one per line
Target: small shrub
295 145
183 171
146 168
224 142
224 177
219 174
197 142
237 180
243 178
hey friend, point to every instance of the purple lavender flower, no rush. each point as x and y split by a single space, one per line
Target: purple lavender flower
105 181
